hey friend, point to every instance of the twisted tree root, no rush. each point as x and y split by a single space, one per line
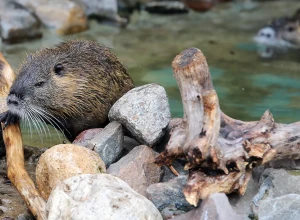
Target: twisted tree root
220 152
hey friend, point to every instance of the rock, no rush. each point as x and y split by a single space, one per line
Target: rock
216 207
168 174
65 16
98 196
103 9
275 183
25 216
16 23
63 161
285 163
32 154
242 204
130 143
144 111
108 144
166 7
281 208
283 182
169 197
137 169
86 136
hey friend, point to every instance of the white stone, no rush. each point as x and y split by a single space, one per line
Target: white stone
98 196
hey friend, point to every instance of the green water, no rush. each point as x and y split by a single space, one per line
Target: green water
247 85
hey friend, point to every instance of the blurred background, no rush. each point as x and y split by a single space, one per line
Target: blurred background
252 47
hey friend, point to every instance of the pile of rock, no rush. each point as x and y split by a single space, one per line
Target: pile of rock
73 177
110 173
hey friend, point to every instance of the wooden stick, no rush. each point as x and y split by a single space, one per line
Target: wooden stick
17 174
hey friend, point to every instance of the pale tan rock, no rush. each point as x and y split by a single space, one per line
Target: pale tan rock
64 161
66 17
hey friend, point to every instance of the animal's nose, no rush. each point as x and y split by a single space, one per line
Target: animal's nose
12 100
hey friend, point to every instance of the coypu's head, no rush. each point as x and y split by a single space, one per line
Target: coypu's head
270 35
72 86
291 32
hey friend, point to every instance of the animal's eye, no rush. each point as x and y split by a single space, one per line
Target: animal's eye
39 84
59 69
291 29
268 35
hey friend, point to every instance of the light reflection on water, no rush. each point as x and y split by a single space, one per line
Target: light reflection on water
247 85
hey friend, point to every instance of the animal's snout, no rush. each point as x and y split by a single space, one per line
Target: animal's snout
12 100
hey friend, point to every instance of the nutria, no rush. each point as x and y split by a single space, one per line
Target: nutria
271 34
281 32
71 86
291 32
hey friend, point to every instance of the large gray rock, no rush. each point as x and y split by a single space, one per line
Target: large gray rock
280 208
96 197
17 23
108 144
273 183
266 184
168 197
215 207
144 111
137 169
283 182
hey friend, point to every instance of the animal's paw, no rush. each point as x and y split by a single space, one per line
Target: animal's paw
8 118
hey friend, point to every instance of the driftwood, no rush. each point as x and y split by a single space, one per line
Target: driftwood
14 151
220 152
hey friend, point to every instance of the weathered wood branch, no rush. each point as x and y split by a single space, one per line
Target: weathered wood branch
220 152
17 174
14 151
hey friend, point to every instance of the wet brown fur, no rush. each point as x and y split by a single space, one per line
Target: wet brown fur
93 80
